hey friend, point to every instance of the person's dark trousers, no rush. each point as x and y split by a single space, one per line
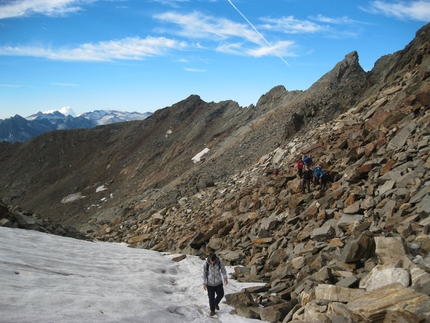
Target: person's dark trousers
324 183
212 290
306 183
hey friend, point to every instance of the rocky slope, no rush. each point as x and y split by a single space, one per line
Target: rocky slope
358 252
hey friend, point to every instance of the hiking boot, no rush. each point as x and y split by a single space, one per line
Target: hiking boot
212 313
217 307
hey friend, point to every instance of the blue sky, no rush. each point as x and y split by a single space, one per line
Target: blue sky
144 55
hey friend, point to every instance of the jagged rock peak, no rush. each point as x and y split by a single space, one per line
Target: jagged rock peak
423 34
349 68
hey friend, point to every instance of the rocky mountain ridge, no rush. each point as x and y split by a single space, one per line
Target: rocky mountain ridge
358 252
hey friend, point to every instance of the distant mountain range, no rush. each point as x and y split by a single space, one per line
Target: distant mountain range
22 129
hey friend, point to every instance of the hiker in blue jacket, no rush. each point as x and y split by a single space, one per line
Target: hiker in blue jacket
318 172
213 275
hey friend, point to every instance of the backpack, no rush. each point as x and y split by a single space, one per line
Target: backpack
207 267
318 172
308 161
300 164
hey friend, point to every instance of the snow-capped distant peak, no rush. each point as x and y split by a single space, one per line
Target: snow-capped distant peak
63 119
102 117
52 114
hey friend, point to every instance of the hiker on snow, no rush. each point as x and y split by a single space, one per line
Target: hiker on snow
213 275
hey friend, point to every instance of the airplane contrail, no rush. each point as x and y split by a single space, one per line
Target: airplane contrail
256 30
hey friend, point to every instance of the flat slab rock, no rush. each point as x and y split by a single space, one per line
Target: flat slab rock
395 298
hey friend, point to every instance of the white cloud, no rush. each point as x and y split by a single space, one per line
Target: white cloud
290 25
334 21
257 31
18 8
125 49
195 70
64 84
64 110
234 38
172 3
279 48
197 25
282 48
231 48
10 85
410 10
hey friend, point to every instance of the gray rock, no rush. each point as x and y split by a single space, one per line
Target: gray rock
241 299
347 219
401 137
269 223
275 313
361 248
424 205
230 256
334 293
388 185
420 281
24 221
5 223
392 175
384 275
374 304
353 208
418 196
324 233
390 249
248 312
348 282
323 275
409 178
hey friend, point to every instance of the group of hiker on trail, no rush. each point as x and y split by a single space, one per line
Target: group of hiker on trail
308 174
317 176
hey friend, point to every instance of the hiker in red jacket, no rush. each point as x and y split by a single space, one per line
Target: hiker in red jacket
300 167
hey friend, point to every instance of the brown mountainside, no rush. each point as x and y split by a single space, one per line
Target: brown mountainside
151 159
135 158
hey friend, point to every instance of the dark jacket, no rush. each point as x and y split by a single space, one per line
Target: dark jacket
307 174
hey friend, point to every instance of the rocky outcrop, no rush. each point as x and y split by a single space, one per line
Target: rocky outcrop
15 217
